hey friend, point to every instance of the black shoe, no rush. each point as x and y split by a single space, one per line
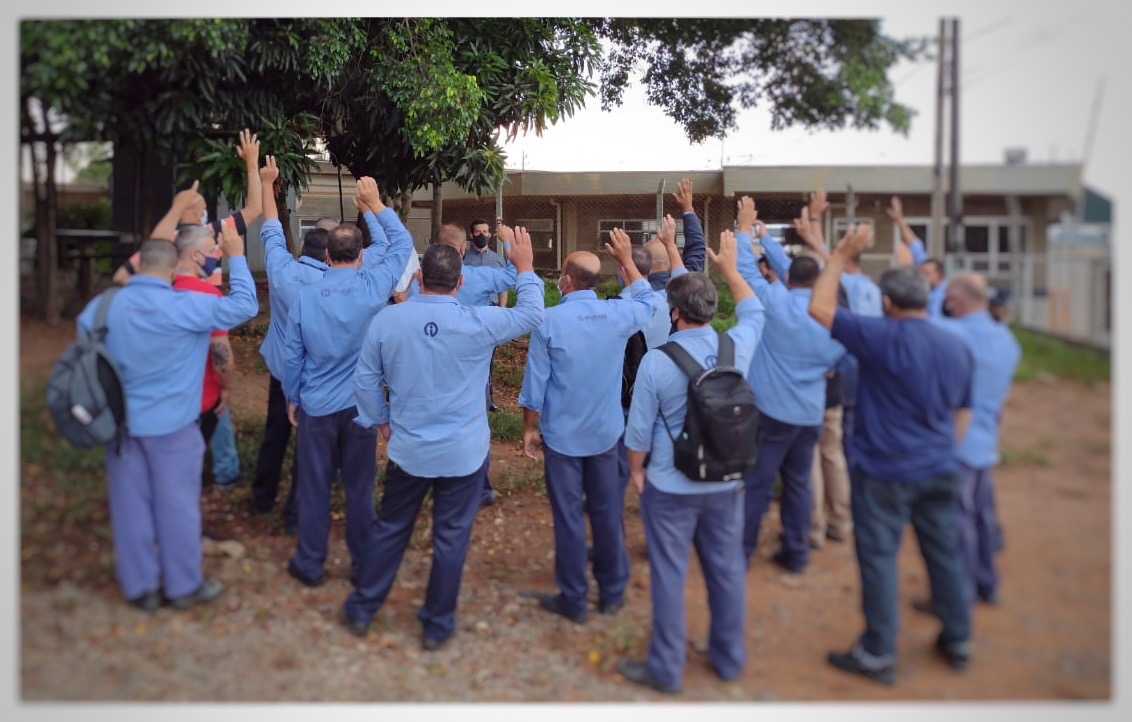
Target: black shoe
638 673
493 408
553 603
358 629
956 654
149 602
780 559
261 508
307 581
208 590
429 644
611 607
850 662
923 606
488 498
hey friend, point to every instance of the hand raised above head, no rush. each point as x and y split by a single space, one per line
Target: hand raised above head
667 231
369 194
857 238
269 172
505 232
683 195
230 241
727 258
620 247
746 214
895 209
522 254
188 197
818 204
248 149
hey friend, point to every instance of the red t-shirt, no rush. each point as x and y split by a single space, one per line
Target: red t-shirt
211 393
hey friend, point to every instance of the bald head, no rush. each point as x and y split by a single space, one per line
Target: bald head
581 270
659 254
452 236
966 293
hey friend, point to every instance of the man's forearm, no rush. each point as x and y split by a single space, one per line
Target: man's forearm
530 420
823 300
253 204
637 460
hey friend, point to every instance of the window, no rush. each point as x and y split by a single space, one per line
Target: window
986 241
640 231
543 240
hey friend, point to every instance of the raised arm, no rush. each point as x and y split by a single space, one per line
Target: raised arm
694 241
188 199
915 246
379 241
504 324
634 315
667 236
823 300
386 271
248 150
768 293
276 256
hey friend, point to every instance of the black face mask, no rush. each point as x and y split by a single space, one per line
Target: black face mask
481 241
672 329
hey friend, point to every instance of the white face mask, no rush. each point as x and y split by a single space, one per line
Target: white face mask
204 218
559 285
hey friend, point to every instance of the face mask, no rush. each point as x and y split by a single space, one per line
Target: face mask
480 241
558 285
209 265
672 329
204 218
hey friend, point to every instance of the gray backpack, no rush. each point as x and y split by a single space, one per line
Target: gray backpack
84 392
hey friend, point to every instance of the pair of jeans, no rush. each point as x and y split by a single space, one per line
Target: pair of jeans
881 510
225 456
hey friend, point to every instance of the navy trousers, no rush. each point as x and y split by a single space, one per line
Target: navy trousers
581 486
881 510
269 464
325 444
713 523
978 533
455 501
848 427
789 450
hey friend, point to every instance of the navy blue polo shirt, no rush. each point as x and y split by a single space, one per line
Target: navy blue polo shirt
913 377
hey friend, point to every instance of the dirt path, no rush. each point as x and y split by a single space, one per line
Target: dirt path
269 639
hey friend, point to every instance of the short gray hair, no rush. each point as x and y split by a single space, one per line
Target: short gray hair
190 237
694 296
905 288
157 254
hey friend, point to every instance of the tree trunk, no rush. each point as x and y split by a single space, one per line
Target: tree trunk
437 209
285 217
47 245
40 226
404 205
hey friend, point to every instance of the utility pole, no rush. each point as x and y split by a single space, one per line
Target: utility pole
955 198
935 234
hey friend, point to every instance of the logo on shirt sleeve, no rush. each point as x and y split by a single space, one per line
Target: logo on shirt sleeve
431 329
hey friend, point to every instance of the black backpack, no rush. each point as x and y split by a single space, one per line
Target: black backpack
635 349
84 392
720 435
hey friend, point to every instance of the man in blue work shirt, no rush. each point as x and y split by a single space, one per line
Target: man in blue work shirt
285 276
483 257
573 386
788 375
930 268
677 512
433 353
157 337
481 286
996 354
320 352
914 394
693 256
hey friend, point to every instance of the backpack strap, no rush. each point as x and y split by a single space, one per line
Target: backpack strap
725 356
682 359
100 313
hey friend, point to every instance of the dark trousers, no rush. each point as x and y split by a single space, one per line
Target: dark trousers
978 533
273 449
207 422
714 524
323 441
454 504
881 510
581 486
789 450
848 427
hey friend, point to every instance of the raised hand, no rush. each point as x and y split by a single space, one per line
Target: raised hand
248 149
620 247
368 194
746 214
522 254
667 231
818 205
727 259
269 172
683 195
505 232
188 198
804 227
856 239
230 240
895 209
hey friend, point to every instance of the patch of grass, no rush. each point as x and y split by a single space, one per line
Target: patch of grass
506 426
1024 458
550 295
1046 355
527 476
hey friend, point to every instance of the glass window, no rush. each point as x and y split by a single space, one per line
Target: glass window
977 239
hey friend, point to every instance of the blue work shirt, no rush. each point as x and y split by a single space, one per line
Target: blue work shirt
935 297
660 397
574 365
434 353
996 354
660 323
863 294
914 375
482 284
693 255
324 326
789 366
158 336
287 274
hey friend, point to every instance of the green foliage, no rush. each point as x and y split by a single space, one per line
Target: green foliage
94 215
1044 355
550 294
506 426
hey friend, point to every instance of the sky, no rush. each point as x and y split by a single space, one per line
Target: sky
1029 78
